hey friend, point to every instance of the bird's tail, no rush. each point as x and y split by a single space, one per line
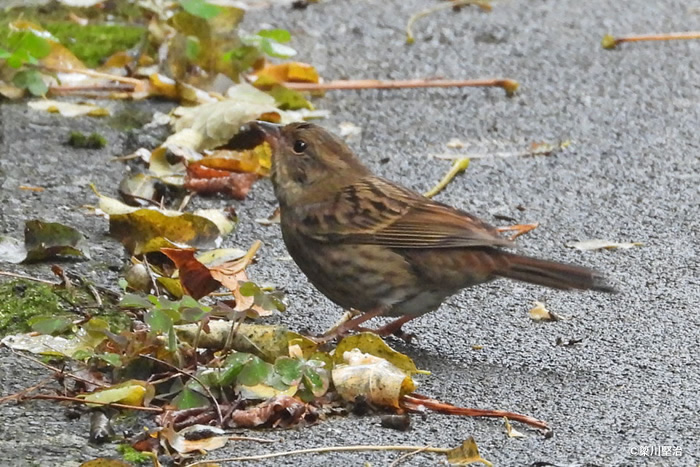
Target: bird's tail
550 273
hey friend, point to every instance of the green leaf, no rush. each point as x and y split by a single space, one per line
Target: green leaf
200 8
172 340
192 315
289 370
275 49
192 48
249 289
189 399
113 359
158 320
254 372
131 300
49 324
316 381
279 35
234 364
37 46
4 54
45 240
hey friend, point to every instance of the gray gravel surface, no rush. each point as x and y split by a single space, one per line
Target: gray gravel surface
631 174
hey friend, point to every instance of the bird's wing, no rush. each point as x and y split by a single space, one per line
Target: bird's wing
375 211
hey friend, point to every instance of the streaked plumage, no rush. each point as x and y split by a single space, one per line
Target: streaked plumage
372 245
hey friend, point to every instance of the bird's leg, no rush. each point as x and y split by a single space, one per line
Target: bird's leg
350 325
347 316
519 229
394 328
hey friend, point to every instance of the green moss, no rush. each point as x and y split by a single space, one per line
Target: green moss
95 42
21 301
78 139
91 43
132 455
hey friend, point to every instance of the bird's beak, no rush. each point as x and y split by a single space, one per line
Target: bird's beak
270 132
254 133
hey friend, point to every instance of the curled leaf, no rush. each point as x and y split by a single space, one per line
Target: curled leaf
372 378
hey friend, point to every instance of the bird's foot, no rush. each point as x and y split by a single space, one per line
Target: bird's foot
519 229
394 329
349 322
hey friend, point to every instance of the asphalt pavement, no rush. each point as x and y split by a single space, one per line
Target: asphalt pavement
631 173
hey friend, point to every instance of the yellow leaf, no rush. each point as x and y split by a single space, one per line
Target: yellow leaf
132 392
467 453
372 344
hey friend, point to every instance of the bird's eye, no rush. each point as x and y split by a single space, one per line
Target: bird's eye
299 146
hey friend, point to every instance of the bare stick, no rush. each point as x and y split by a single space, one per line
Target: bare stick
414 401
23 393
95 74
29 278
59 371
509 85
322 450
403 457
83 401
610 42
251 438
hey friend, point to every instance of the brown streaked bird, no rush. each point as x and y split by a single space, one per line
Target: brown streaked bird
371 245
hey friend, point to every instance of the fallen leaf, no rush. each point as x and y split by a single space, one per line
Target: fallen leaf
131 392
44 240
281 411
148 230
195 277
69 109
597 244
512 432
289 72
266 341
372 378
467 453
372 344
195 438
540 313
209 181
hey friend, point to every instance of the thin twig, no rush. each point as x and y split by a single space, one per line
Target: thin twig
403 457
610 42
458 166
483 4
95 74
59 89
59 371
24 392
189 375
414 401
322 450
250 438
509 85
29 278
83 401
